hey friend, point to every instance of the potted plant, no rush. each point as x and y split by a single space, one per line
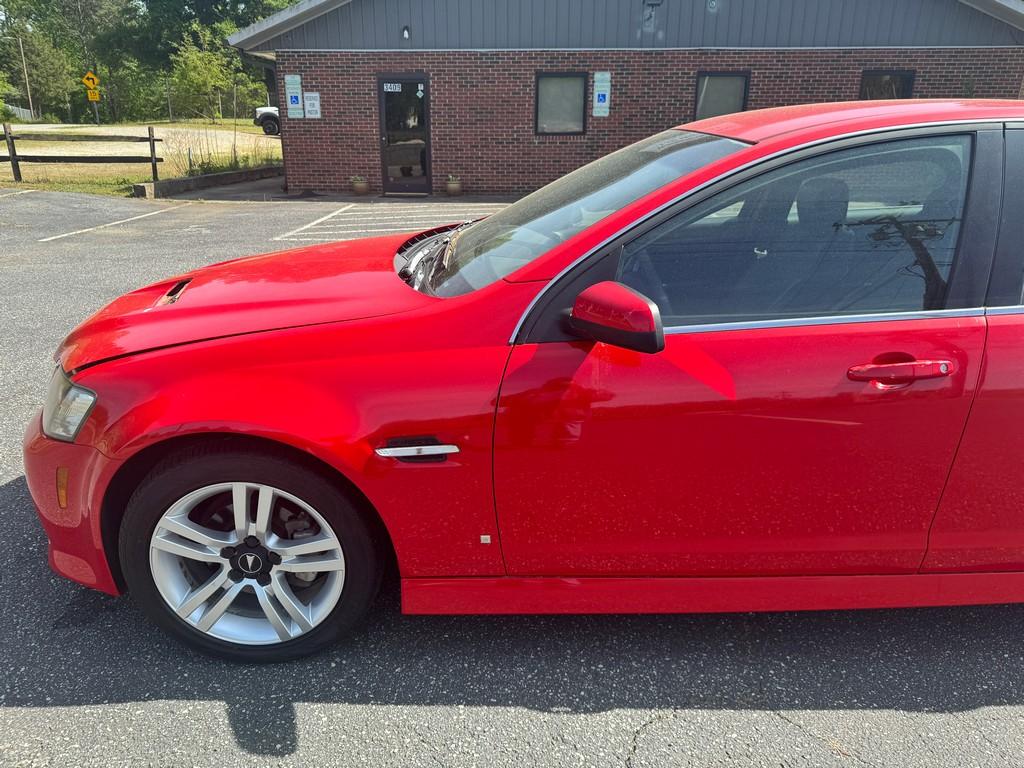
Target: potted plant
453 186
360 185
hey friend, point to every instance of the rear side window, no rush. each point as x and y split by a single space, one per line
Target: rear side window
864 230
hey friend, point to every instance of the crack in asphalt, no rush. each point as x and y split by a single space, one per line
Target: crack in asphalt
1000 750
831 746
635 743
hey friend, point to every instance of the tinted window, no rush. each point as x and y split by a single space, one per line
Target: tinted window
721 94
500 244
885 84
560 103
870 229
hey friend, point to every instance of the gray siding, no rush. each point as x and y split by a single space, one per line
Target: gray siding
447 24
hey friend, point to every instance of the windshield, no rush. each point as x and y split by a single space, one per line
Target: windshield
500 244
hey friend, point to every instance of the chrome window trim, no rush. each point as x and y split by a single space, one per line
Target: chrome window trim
1016 309
408 451
738 170
796 322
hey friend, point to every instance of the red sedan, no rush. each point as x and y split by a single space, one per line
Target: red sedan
766 361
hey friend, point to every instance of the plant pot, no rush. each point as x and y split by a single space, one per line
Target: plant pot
361 187
453 188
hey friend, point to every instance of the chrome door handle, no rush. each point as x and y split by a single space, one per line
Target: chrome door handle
901 373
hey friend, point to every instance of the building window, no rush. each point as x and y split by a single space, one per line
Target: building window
721 93
886 84
561 102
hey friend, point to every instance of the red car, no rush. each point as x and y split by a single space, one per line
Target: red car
766 361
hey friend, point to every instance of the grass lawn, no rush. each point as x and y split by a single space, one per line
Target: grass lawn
243 124
76 178
210 148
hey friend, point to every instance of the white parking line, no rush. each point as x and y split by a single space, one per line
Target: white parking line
360 220
304 227
19 192
450 215
112 223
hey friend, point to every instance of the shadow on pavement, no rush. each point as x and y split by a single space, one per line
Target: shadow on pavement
69 646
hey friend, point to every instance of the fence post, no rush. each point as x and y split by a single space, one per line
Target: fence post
15 165
152 154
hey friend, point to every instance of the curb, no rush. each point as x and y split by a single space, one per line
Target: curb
154 189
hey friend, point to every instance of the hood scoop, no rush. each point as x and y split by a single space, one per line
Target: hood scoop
174 294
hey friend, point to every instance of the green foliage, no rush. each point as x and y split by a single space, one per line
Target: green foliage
155 58
199 76
6 89
207 79
169 21
134 91
49 70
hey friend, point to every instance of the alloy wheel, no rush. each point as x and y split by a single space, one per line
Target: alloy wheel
247 563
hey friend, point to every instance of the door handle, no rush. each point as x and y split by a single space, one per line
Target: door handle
901 373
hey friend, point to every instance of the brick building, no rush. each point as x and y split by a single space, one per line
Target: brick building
509 94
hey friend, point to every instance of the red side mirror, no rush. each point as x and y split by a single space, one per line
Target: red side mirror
616 314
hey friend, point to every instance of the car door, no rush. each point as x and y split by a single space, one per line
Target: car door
980 523
823 341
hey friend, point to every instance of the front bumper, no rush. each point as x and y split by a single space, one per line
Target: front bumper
74 531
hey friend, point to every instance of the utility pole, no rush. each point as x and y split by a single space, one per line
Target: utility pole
96 104
24 70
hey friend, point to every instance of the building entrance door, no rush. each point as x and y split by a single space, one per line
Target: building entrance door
405 133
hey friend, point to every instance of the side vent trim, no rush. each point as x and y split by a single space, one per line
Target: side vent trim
174 294
417 449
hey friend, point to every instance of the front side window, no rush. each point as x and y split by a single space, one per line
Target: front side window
886 84
863 230
561 102
500 244
720 93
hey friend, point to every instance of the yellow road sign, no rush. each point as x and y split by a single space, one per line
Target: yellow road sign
91 82
93 94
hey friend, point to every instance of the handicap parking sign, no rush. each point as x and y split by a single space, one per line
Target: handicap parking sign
602 98
293 99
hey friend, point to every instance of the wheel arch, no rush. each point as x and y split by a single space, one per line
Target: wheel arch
137 466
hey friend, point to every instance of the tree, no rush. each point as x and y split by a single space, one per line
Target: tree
167 22
5 91
140 49
199 75
49 68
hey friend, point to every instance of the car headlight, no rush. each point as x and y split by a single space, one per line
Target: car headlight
66 407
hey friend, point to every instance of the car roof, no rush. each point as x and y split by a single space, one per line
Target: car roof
843 117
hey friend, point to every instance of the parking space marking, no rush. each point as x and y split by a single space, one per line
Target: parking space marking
304 227
18 192
112 223
359 220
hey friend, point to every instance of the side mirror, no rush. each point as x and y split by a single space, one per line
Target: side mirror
616 314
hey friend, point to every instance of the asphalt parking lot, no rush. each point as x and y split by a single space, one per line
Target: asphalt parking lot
85 680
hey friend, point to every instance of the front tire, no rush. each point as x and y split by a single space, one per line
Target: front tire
246 555
271 127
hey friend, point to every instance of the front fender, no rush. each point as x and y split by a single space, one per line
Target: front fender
339 409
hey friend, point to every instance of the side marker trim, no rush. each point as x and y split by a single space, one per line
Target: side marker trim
407 451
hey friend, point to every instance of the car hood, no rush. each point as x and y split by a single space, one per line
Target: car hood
319 284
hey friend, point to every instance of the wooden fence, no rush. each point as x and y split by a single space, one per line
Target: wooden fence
15 159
